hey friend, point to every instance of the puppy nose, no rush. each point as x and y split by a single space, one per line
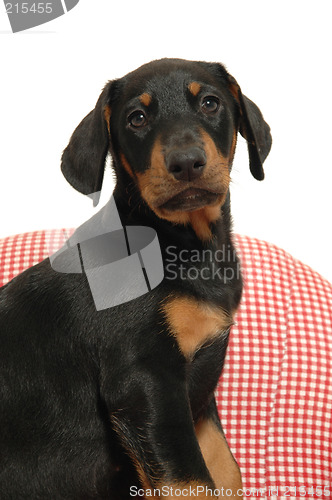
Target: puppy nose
186 165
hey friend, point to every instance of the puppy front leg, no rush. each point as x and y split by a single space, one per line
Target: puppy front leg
155 426
217 455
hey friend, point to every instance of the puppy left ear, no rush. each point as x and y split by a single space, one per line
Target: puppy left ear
254 129
83 160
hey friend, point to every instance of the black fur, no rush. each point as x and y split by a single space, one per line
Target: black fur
91 400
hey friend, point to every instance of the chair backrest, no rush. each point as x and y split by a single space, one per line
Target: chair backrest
275 393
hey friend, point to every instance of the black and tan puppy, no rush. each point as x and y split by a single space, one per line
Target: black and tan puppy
107 403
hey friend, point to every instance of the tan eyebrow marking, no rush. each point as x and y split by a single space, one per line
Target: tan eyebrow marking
145 99
194 88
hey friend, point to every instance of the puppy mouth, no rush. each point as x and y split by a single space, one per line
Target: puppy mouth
190 199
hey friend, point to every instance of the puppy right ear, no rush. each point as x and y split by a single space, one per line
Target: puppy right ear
83 160
254 129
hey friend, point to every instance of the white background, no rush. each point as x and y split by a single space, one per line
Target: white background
279 52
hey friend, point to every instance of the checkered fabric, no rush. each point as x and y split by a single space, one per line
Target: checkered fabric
275 394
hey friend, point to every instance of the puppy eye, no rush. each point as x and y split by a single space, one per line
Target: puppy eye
210 105
137 119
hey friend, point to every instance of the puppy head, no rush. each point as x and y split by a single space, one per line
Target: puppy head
171 127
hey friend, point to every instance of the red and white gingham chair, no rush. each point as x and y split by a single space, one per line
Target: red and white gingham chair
275 394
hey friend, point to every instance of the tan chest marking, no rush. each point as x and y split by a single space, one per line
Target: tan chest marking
193 323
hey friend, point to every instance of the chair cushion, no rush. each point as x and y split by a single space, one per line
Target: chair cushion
275 393
21 251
